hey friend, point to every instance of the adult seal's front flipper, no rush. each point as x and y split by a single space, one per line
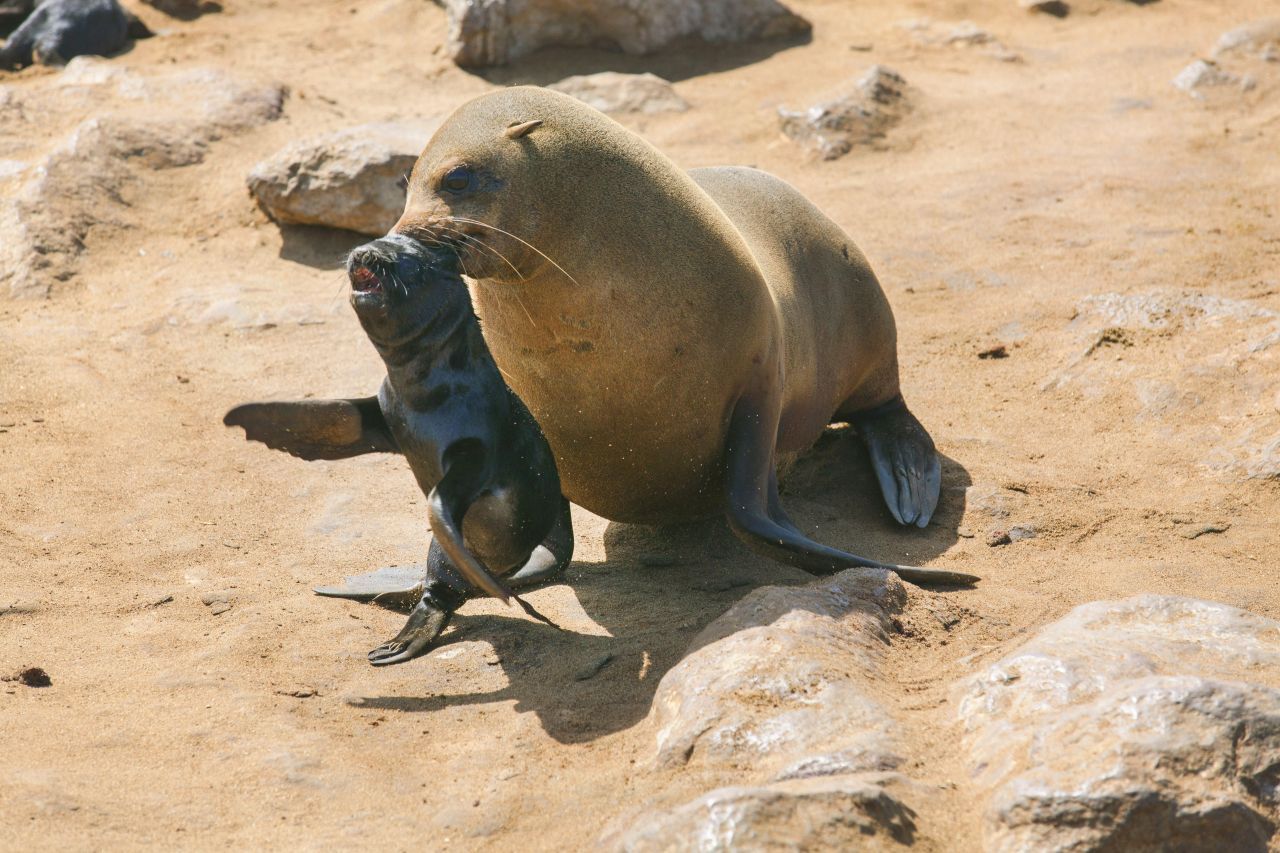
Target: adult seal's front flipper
755 513
316 429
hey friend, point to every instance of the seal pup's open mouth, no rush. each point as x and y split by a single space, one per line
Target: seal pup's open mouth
365 280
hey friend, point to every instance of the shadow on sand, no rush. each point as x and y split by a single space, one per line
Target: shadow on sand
659 587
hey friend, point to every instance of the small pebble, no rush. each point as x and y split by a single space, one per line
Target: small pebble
298 692
997 351
217 602
964 533
1019 532
998 536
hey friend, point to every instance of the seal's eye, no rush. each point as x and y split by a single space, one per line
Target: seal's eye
458 180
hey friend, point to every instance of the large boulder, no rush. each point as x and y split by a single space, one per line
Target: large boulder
822 814
351 179
784 683
495 32
1147 724
778 702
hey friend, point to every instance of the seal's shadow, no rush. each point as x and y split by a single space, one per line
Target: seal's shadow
657 588
318 247
676 63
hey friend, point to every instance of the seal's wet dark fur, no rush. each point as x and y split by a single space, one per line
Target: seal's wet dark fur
494 498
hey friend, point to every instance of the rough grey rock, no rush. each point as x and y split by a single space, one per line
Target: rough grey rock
860 116
611 92
85 180
349 179
826 814
1147 724
495 32
782 685
1205 74
1258 40
60 30
779 696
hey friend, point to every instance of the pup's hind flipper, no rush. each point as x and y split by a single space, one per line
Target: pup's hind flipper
395 587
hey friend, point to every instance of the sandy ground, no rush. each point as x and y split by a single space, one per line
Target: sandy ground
1013 193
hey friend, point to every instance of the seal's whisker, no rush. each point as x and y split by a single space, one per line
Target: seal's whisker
471 239
514 237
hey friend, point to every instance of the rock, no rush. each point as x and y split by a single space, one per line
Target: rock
350 179
611 92
998 536
87 179
783 685
60 30
1021 532
495 32
1206 74
1259 40
218 602
1147 724
968 33
827 813
861 116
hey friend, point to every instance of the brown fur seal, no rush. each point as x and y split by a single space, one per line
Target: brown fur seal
679 336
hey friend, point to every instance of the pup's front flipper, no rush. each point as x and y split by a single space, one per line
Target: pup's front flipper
755 513
316 429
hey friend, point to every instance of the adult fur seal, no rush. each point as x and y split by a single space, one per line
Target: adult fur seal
680 337
494 499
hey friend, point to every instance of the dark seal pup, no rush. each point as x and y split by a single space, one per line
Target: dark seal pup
59 30
494 499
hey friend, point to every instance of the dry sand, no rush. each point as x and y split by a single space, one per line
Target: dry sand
1013 192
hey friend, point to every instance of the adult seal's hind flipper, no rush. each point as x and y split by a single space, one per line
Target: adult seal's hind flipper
316 429
755 514
904 459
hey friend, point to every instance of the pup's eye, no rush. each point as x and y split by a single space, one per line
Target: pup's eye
458 180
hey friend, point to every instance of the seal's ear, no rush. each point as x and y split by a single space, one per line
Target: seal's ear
516 131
